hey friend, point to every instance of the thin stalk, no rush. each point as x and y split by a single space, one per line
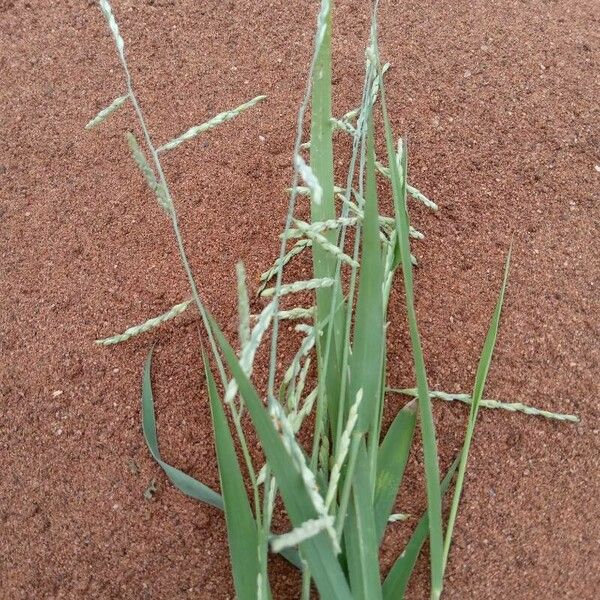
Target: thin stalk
183 256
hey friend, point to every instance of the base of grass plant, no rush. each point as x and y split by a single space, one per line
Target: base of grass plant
340 493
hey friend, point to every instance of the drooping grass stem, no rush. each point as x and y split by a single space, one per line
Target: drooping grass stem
181 249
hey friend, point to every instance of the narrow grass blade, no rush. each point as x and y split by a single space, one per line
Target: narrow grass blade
362 544
368 342
148 325
391 462
321 157
324 263
223 117
432 477
480 379
183 482
241 526
243 305
394 586
106 112
296 249
318 551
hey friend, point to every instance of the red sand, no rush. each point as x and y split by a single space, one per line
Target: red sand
500 103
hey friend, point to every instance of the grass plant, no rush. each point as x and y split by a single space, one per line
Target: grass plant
339 490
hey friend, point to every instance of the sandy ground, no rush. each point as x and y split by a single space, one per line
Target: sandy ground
500 103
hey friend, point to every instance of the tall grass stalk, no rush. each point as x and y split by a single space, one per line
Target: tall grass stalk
339 490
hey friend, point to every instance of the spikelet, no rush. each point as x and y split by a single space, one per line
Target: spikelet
297 313
106 9
147 326
309 178
343 448
260 478
293 314
305 329
386 223
308 477
395 517
298 418
299 385
223 117
377 83
301 533
148 173
249 350
509 406
299 286
305 347
351 115
413 191
417 195
298 247
322 241
319 226
106 112
343 125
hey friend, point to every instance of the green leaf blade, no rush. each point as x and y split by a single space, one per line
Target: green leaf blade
391 462
318 550
480 379
362 544
432 477
241 527
321 159
183 482
394 586
369 340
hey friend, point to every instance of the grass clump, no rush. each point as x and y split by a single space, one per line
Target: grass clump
339 492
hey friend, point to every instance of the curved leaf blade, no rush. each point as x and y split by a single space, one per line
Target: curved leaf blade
183 482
